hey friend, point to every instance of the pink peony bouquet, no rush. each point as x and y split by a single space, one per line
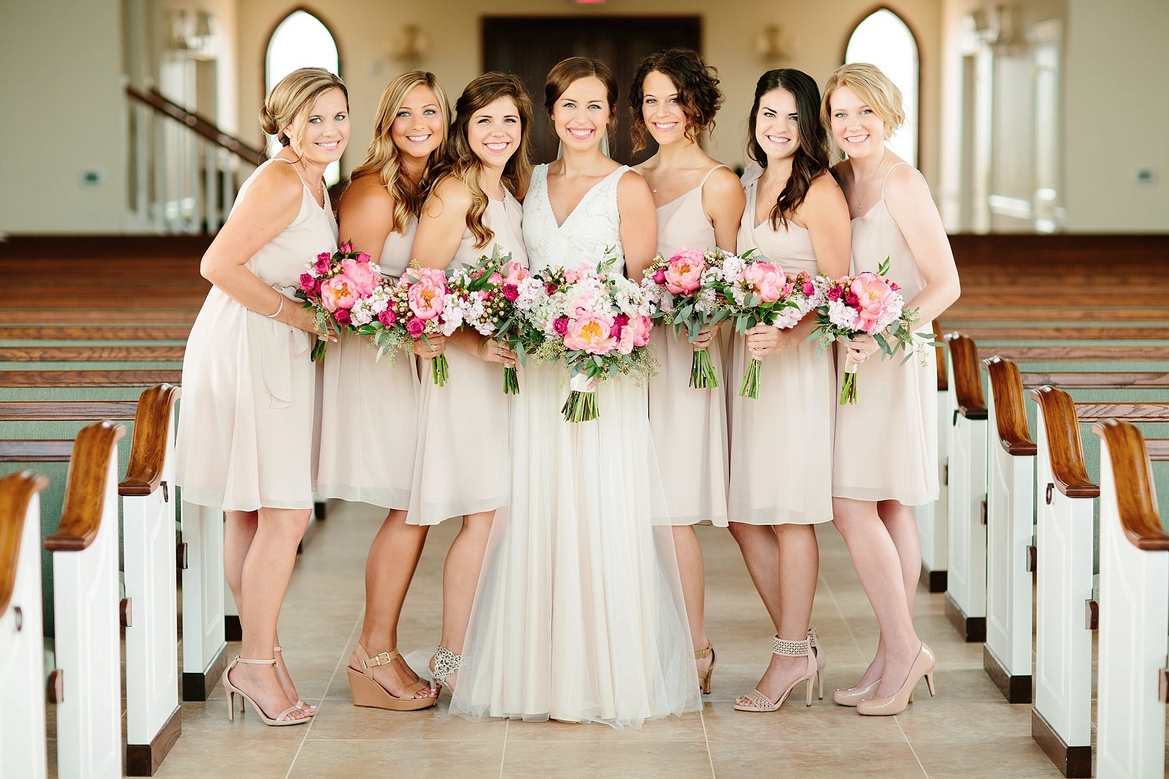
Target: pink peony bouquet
496 295
332 285
681 296
599 322
754 291
418 305
865 304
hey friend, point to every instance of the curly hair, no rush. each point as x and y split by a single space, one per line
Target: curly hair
384 160
697 85
811 156
462 163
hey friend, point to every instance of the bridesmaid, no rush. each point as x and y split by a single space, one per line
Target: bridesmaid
245 434
463 461
370 407
781 462
893 216
699 202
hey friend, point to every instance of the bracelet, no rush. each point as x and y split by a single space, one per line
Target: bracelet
278 308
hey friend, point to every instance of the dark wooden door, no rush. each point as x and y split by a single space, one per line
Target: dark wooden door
530 46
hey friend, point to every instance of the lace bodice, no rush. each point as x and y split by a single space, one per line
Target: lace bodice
591 233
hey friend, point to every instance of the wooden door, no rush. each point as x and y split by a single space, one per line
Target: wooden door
530 46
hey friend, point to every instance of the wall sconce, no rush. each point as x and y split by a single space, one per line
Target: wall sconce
192 32
769 44
996 29
409 45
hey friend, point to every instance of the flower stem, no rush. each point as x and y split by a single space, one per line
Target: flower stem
750 386
848 384
511 381
439 370
702 375
580 406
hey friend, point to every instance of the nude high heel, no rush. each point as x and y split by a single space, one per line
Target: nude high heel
307 708
854 695
231 691
367 691
704 678
923 665
757 701
821 658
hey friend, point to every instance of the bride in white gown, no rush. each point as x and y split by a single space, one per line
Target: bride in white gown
579 613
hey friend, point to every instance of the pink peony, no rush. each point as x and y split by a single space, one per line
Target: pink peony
338 292
516 273
872 296
426 294
640 326
387 317
764 279
362 275
415 327
684 271
590 332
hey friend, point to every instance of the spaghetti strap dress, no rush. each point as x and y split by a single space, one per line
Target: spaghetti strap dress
245 433
462 463
781 442
689 425
369 409
887 443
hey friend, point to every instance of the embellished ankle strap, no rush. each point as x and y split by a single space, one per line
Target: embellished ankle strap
791 648
446 663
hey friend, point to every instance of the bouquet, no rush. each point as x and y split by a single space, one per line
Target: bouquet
496 296
599 322
418 305
865 304
333 285
680 298
755 291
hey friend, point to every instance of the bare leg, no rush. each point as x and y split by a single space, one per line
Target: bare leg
389 569
902 527
263 582
693 577
878 565
760 551
797 566
460 577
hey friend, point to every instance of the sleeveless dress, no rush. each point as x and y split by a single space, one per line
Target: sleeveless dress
245 435
579 613
689 425
781 442
463 463
369 410
887 443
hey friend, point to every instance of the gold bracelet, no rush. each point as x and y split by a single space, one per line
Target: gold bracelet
278 308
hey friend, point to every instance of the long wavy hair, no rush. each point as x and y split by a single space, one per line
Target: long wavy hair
462 163
811 158
384 160
698 92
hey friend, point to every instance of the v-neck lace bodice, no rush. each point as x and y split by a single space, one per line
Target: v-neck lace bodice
590 233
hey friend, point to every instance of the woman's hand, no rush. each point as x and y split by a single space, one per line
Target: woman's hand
492 351
860 348
705 337
435 347
763 340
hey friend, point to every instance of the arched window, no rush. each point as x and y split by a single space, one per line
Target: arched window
883 39
301 41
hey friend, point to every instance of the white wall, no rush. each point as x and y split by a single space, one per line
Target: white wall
1116 115
60 88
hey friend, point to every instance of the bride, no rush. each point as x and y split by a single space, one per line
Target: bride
579 613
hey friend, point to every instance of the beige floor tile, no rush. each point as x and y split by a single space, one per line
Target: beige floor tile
255 759
823 721
339 719
609 756
877 760
320 759
1016 757
687 727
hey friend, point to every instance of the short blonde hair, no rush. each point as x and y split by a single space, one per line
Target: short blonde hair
292 97
873 88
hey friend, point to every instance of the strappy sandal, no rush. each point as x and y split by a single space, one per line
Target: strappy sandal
231 691
368 692
757 701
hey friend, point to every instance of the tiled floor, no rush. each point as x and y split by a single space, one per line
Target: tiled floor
968 731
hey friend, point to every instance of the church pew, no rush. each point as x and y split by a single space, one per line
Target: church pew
22 670
86 685
1061 719
1010 507
1134 602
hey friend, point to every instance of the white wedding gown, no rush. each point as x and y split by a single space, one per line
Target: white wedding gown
579 613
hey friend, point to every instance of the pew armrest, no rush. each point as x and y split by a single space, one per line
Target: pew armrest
16 490
148 445
85 487
1010 410
1135 503
1063 443
967 381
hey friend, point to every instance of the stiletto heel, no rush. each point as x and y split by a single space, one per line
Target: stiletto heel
308 708
231 691
821 658
704 679
757 701
367 691
445 664
923 665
